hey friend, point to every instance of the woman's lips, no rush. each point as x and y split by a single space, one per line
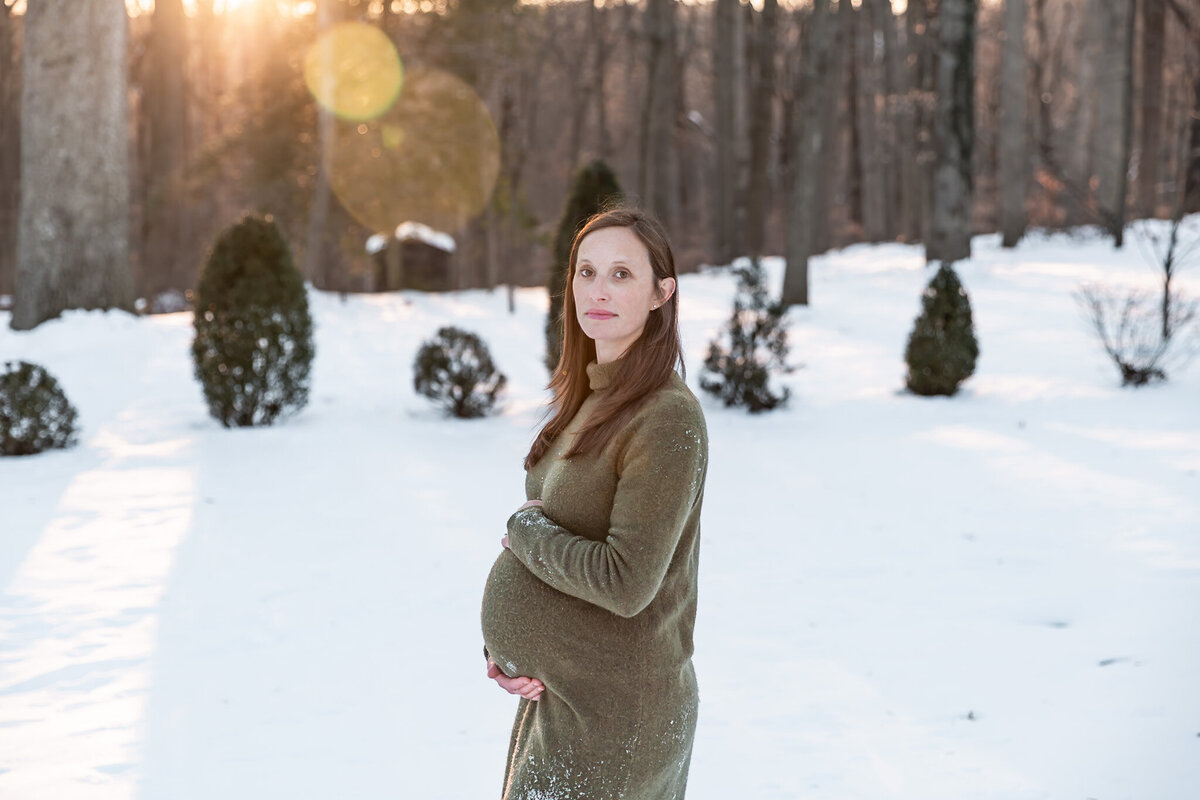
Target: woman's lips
599 314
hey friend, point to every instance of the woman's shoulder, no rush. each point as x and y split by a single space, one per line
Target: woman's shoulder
674 402
670 424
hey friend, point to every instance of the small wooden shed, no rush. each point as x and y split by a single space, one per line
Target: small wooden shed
415 257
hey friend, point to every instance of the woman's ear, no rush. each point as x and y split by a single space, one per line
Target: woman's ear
666 287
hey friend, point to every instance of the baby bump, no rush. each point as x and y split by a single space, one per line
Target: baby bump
532 629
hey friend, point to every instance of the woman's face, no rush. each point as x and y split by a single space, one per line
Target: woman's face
614 289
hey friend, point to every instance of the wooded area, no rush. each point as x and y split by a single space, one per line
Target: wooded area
748 128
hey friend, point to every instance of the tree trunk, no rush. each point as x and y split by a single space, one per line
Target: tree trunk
848 20
953 132
830 173
816 94
921 51
741 126
908 218
1014 167
870 154
164 260
579 94
762 121
1153 45
885 21
73 234
658 107
10 149
724 226
598 94
1191 164
1113 116
318 214
1081 154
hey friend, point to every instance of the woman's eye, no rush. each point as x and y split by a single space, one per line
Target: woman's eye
622 273
585 272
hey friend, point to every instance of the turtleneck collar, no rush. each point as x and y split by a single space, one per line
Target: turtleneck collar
601 375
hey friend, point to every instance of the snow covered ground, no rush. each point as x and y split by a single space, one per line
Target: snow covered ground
995 595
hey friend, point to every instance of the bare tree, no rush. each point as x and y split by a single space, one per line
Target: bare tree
314 266
725 243
829 176
820 43
920 51
10 147
657 123
855 174
164 153
897 146
602 46
1014 165
1080 158
953 132
871 148
762 121
1154 42
73 234
1114 118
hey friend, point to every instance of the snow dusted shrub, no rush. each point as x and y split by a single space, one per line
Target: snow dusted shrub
942 348
757 346
455 370
254 346
595 188
35 414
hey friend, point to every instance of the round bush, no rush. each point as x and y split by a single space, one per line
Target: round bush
253 348
455 370
35 414
942 348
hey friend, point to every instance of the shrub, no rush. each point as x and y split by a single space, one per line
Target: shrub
942 348
455 370
1142 335
253 348
757 347
594 189
35 414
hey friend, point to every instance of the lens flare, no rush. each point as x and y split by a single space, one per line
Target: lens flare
354 71
432 157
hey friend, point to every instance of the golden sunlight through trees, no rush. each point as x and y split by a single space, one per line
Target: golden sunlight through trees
353 70
432 157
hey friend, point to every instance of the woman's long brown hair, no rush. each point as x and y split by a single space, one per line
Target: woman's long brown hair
646 366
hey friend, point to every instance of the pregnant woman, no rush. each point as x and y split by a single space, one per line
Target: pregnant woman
589 609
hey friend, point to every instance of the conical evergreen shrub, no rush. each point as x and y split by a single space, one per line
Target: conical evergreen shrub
254 341
757 346
35 414
595 188
942 348
455 370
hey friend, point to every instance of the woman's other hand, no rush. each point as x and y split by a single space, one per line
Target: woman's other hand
528 503
529 688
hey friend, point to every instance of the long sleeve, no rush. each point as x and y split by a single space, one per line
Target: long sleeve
663 474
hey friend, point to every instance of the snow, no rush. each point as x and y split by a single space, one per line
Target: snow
995 595
376 243
426 234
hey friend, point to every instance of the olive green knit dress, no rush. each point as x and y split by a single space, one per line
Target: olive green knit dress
596 597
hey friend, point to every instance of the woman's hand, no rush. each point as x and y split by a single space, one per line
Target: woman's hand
529 688
528 503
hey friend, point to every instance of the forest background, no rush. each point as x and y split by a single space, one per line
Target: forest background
1082 111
